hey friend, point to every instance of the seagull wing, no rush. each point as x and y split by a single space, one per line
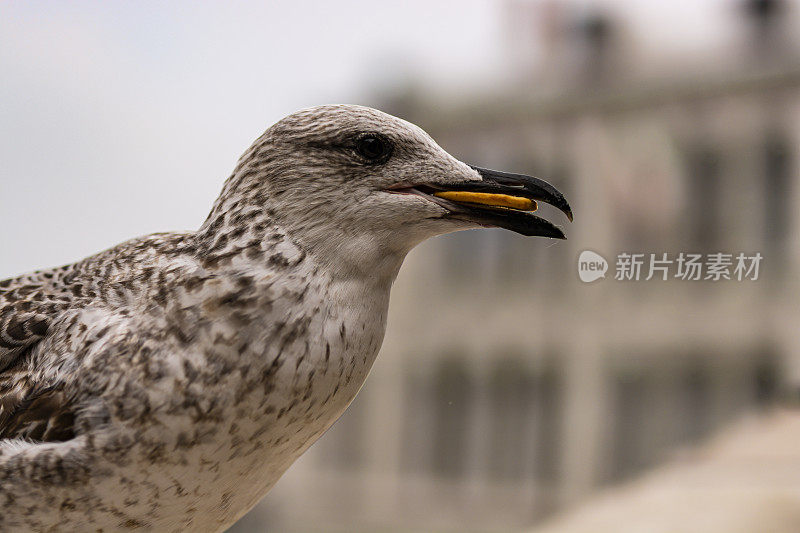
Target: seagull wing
30 408
28 305
34 411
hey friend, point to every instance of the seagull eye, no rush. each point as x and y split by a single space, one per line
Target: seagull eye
373 148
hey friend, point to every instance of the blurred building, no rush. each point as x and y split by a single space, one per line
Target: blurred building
508 389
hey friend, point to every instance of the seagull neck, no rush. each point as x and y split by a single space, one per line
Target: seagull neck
356 258
350 259
284 234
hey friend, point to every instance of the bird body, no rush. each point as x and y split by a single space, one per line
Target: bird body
209 373
167 383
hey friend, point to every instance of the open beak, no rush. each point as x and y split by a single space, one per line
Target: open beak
501 200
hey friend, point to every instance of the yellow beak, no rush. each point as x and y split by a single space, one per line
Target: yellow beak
494 200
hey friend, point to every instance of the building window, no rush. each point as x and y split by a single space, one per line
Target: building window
696 395
548 432
766 376
629 454
703 172
453 408
418 424
777 182
511 406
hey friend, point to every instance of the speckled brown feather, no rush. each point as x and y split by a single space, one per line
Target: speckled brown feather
28 409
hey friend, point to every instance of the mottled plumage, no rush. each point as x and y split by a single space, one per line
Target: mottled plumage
168 382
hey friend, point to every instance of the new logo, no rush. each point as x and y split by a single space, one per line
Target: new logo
591 266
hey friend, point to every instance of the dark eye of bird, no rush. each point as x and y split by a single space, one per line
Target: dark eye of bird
373 147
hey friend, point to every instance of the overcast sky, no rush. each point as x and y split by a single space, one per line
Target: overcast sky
123 118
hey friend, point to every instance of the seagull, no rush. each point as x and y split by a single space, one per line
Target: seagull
166 383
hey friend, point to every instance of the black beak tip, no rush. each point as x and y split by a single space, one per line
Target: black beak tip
557 233
558 201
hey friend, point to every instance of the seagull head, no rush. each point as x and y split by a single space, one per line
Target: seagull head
360 182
